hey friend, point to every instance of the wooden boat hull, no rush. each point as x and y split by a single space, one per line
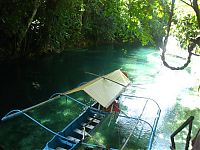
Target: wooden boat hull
75 132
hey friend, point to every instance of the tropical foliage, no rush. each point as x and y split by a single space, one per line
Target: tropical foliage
184 25
32 27
186 21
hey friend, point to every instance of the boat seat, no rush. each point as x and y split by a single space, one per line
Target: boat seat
99 116
80 132
67 143
73 139
94 120
88 126
97 113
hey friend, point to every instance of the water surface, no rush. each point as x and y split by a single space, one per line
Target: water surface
26 84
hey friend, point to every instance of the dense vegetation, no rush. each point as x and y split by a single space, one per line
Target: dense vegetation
35 27
186 21
185 26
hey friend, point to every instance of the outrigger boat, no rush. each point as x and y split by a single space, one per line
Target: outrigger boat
72 135
106 91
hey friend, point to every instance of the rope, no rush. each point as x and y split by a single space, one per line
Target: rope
191 45
111 118
86 133
112 115
138 120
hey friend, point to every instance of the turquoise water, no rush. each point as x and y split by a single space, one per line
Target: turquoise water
33 82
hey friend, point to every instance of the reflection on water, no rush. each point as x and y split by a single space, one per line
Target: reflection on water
175 92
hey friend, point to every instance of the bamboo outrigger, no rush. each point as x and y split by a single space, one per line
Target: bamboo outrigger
104 90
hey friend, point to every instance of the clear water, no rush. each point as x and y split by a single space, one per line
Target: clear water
29 83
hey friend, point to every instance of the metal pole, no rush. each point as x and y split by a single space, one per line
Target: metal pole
105 78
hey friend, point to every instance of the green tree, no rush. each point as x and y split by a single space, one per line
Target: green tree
185 26
186 21
35 27
16 18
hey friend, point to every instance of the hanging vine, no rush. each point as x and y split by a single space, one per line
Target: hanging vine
193 42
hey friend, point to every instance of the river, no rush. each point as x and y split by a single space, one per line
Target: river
28 83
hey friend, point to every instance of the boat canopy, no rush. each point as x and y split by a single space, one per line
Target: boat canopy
104 89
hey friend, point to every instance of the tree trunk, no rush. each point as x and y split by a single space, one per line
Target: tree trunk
23 33
196 9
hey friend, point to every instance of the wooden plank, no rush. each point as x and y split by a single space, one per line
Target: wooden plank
93 120
80 132
73 139
99 116
88 126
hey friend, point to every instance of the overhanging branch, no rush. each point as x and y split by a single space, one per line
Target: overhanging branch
187 3
191 46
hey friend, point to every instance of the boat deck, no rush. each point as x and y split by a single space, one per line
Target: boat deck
76 131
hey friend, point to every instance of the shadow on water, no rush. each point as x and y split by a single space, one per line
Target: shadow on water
26 84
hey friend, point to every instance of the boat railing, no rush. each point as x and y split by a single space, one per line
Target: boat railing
189 122
52 98
17 113
156 119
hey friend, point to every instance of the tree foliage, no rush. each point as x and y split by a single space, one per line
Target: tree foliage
186 21
32 27
186 35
